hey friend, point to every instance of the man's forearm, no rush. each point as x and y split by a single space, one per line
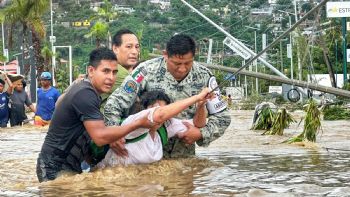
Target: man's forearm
215 128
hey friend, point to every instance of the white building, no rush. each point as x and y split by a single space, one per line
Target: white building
164 4
123 9
324 79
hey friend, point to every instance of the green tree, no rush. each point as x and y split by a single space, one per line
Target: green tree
47 55
28 14
105 14
99 31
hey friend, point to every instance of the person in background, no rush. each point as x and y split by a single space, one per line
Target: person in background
77 121
18 99
229 101
47 97
4 100
126 47
179 76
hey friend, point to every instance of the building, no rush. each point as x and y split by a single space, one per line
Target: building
163 4
123 9
10 67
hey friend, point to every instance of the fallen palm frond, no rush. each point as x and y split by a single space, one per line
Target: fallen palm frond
312 124
264 120
336 112
281 121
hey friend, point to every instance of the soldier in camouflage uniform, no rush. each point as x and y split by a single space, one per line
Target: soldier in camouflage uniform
179 77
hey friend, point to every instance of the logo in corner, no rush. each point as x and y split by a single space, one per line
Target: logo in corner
333 10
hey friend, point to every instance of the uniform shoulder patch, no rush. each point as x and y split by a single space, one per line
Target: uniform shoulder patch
130 86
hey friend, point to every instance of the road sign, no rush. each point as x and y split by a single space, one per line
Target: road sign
236 47
275 89
338 9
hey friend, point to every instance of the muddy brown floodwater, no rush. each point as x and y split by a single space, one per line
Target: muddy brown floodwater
240 163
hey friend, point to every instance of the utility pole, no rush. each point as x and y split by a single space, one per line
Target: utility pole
336 60
290 46
256 66
318 87
255 63
297 44
281 54
209 51
3 44
245 82
291 49
345 70
241 45
52 40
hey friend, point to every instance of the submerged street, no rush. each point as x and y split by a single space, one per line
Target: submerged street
240 163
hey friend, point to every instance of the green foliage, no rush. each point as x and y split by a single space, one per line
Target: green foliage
2 58
312 124
62 78
105 12
265 119
336 112
181 19
281 121
258 3
99 31
346 86
47 54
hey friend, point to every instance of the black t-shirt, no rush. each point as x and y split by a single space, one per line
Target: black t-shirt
66 129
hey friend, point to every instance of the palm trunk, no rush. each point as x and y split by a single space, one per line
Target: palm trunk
25 51
39 60
10 36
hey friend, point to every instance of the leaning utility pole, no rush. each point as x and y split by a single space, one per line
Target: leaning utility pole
331 90
237 43
257 56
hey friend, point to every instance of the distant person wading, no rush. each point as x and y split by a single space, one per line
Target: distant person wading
47 97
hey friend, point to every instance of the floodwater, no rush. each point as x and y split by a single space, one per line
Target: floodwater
240 163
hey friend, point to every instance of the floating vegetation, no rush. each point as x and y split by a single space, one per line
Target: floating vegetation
336 112
312 124
281 121
264 119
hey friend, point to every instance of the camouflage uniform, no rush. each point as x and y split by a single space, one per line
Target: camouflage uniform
151 75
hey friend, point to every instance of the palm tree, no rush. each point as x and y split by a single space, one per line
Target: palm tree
28 14
104 16
99 31
47 54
